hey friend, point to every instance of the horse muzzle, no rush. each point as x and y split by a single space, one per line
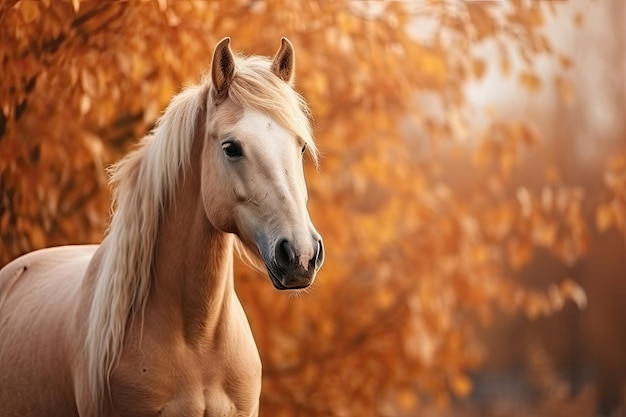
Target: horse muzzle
288 268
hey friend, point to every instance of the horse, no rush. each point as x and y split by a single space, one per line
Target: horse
148 322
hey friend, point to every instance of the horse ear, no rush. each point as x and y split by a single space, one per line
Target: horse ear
222 69
285 62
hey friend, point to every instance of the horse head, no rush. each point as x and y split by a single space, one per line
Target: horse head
252 180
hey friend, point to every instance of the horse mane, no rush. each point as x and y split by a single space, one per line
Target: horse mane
141 183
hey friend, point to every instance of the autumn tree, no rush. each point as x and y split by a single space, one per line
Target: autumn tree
413 265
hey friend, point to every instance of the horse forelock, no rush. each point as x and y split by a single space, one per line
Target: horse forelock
256 87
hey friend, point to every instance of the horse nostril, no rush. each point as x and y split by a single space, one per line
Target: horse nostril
284 254
318 258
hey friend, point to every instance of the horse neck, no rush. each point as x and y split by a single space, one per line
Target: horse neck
193 265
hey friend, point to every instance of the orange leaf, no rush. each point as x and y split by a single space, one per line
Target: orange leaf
461 385
604 217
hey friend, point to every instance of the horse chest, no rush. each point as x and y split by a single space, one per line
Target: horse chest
187 400
181 382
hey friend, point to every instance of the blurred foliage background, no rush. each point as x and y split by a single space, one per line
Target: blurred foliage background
472 188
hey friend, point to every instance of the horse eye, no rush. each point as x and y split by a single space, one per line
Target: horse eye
232 149
303 150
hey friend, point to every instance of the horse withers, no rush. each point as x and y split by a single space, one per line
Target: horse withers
148 323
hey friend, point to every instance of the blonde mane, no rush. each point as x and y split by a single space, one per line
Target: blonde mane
143 181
